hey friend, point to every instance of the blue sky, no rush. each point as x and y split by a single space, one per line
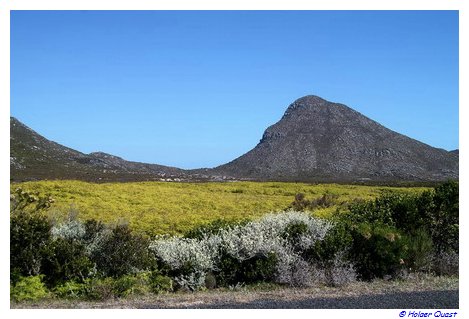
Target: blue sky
197 89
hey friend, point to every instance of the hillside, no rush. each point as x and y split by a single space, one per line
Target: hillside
317 140
33 157
314 141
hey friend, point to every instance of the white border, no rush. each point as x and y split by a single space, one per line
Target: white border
6 6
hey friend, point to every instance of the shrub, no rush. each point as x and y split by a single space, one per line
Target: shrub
99 288
28 288
228 270
339 271
29 234
293 233
72 229
257 250
71 290
119 252
430 220
420 251
126 285
231 271
377 250
192 281
66 260
159 283
182 256
261 267
444 222
23 201
332 256
301 203
446 263
337 240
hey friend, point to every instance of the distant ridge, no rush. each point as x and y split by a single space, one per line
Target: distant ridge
315 141
33 157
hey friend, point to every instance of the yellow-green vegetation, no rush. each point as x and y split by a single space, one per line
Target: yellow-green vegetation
173 208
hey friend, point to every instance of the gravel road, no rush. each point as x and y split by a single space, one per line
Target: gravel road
446 299
415 293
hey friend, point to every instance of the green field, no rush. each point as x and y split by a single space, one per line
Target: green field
173 208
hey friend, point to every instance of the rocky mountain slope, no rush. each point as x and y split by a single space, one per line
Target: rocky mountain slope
35 157
314 141
317 140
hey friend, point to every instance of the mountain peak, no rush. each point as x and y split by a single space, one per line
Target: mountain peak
305 103
326 141
310 99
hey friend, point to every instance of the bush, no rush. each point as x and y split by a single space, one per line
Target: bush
332 255
99 288
446 263
337 240
231 271
377 251
430 220
256 251
66 260
301 203
192 281
28 288
420 251
29 232
120 252
71 290
127 285
293 233
261 267
159 283
444 224
228 271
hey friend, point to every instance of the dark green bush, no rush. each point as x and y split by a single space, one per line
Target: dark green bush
259 268
28 288
231 271
337 240
122 252
29 233
444 223
377 250
430 218
65 260
294 231
420 251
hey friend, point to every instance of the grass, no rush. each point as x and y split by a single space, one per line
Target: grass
174 208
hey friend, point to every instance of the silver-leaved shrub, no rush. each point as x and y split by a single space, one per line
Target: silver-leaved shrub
242 242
